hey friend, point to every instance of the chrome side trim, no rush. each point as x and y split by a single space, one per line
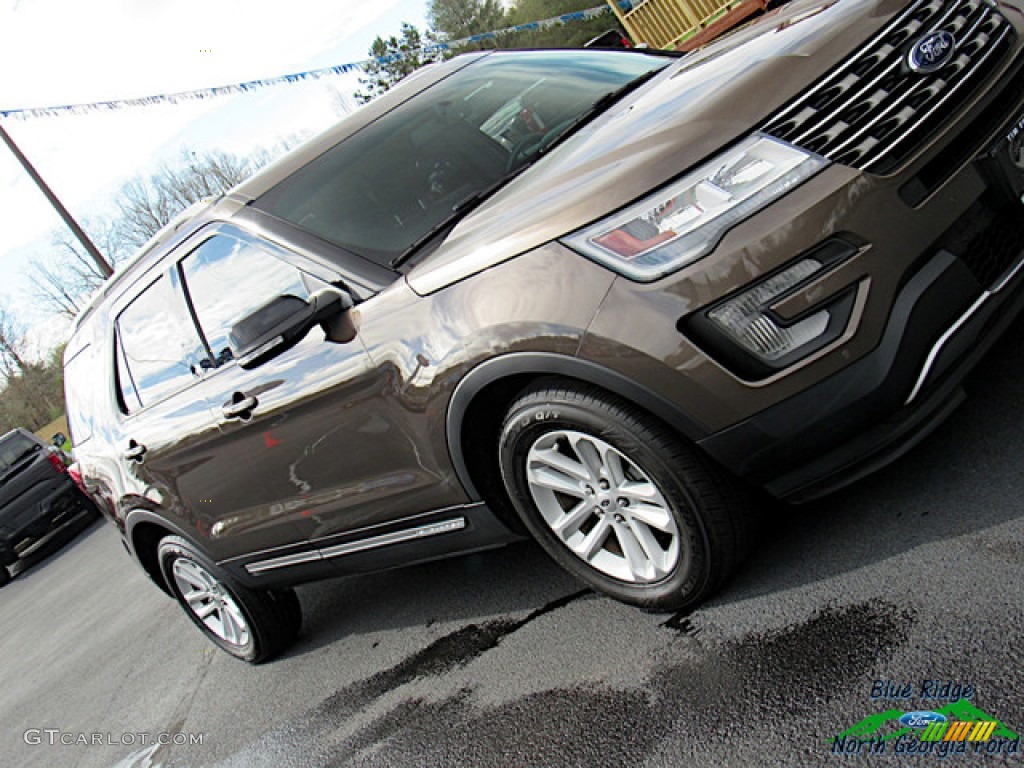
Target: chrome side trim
283 562
316 545
936 349
396 537
361 545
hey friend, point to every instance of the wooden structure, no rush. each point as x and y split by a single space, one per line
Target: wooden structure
682 25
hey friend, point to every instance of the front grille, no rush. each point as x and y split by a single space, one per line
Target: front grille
1004 103
873 110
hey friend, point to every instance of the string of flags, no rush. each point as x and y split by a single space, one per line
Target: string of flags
313 74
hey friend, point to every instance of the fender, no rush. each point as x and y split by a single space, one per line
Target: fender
550 364
137 516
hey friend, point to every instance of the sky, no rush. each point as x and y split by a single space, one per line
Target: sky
56 52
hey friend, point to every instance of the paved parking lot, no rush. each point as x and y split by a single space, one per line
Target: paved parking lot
500 659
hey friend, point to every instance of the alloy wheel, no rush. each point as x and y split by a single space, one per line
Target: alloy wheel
211 602
603 506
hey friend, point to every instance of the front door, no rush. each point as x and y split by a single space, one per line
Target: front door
302 437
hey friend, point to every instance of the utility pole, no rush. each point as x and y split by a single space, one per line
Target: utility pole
92 250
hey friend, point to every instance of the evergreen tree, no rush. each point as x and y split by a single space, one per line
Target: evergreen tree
455 19
393 59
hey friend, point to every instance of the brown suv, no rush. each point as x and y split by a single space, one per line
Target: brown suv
585 295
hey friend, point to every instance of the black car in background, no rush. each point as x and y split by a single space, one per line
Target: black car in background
37 496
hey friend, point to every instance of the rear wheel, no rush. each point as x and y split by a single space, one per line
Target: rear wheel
5 576
619 500
251 624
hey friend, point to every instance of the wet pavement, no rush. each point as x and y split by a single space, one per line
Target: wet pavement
500 659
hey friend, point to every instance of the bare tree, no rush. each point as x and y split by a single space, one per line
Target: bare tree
146 204
66 277
12 344
66 280
31 394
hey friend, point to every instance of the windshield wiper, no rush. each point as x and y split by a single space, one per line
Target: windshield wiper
460 209
467 204
600 106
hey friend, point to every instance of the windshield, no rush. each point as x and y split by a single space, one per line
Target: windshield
381 190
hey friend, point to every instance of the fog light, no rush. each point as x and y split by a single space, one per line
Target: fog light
746 320
745 335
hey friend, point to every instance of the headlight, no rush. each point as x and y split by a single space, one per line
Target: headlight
685 220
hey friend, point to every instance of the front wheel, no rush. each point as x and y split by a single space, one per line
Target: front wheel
619 500
251 624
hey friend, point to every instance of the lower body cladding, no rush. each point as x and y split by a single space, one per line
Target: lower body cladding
408 541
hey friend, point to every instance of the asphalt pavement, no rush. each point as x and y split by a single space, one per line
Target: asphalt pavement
901 593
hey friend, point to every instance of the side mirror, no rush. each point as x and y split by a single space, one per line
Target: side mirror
282 323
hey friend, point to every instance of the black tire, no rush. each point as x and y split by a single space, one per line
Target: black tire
688 557
254 625
5 576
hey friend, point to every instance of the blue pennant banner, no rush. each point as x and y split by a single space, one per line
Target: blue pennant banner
313 74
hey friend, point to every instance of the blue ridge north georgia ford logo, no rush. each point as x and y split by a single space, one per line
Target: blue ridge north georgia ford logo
932 52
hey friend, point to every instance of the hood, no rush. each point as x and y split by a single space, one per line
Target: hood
695 107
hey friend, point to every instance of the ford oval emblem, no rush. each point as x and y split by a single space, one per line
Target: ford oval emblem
921 719
932 52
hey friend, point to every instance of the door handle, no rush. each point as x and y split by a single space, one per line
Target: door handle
240 407
135 452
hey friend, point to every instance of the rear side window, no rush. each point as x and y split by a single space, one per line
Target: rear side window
129 397
228 278
82 392
160 351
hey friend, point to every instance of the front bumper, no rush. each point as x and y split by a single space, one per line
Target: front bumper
869 414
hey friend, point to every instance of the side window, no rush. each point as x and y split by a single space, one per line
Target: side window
160 350
227 279
129 398
82 393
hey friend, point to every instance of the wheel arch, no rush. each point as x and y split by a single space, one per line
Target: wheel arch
143 532
480 399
